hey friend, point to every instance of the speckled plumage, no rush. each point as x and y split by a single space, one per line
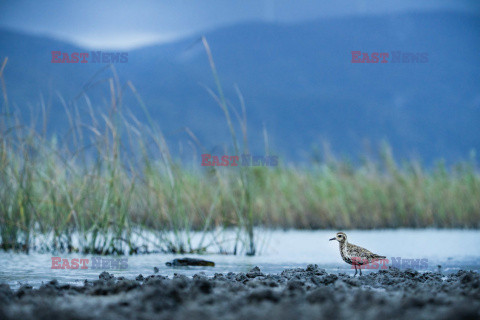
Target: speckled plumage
353 254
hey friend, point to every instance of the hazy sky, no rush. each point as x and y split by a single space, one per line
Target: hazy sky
116 24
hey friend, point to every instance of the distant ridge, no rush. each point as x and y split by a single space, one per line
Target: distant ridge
296 79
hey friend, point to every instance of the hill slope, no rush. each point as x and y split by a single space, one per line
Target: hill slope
297 80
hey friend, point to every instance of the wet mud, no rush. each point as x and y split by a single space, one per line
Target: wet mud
309 293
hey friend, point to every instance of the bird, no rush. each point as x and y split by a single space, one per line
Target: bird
353 254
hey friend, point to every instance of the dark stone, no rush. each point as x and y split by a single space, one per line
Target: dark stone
241 277
255 272
105 276
190 262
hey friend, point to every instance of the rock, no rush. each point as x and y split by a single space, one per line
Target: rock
255 272
105 276
219 276
312 267
241 277
315 269
155 269
183 262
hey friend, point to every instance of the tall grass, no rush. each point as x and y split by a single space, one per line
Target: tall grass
99 188
243 204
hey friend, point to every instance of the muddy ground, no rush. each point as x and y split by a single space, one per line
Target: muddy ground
309 293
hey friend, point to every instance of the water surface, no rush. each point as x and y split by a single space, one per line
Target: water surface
452 249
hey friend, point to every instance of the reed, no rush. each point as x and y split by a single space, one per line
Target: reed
98 189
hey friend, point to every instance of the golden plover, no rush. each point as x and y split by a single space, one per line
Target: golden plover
353 254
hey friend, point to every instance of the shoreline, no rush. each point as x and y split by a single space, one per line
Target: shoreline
293 294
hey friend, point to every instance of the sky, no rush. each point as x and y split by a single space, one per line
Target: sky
117 24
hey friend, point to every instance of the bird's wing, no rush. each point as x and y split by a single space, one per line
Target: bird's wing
356 251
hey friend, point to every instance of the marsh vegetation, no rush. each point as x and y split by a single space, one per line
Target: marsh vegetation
112 176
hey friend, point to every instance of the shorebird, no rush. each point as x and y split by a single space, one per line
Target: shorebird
353 254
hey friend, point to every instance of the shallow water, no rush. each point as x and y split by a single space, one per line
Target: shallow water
452 249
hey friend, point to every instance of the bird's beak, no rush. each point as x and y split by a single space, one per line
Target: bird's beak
331 239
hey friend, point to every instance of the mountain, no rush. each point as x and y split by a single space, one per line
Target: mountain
298 80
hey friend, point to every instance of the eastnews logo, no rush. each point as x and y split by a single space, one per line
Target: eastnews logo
245 160
394 57
397 262
96 263
92 57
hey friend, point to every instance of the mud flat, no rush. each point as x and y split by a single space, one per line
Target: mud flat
309 293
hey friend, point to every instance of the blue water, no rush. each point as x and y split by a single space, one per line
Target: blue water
452 249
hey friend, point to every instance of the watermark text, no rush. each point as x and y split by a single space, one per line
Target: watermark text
97 263
392 57
244 160
89 57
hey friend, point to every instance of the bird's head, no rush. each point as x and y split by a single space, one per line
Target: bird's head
340 237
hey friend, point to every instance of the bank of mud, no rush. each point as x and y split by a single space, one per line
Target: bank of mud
309 293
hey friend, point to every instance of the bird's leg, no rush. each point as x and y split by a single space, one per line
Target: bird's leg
360 270
355 270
